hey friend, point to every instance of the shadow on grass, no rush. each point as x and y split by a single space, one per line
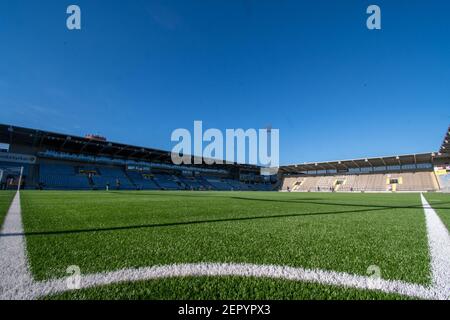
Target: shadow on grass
314 201
186 193
293 201
369 208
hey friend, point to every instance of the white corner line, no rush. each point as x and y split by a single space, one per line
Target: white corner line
15 278
244 270
16 281
439 246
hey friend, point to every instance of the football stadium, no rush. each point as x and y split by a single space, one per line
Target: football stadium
224 158
86 218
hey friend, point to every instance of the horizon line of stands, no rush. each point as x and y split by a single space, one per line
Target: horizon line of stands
94 177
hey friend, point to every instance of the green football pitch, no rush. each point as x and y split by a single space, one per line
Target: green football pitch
101 232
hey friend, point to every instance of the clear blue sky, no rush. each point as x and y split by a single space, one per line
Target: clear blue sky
140 69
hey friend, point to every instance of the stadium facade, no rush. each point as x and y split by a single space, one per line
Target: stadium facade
55 161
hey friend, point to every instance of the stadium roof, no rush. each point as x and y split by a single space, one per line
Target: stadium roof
74 144
441 156
361 163
445 148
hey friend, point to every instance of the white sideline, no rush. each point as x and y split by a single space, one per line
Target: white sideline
15 278
16 281
439 246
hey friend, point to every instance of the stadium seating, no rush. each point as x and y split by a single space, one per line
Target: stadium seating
167 182
204 182
219 184
62 177
423 181
86 177
112 176
193 183
263 187
141 182
408 181
57 169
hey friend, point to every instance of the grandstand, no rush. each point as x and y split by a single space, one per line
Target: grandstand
405 181
427 172
54 161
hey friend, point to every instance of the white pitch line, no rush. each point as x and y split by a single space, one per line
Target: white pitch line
15 278
439 245
245 270
17 283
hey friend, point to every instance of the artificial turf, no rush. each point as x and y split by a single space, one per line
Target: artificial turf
221 288
441 203
105 231
6 197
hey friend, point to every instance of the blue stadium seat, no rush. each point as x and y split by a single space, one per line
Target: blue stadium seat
141 182
62 177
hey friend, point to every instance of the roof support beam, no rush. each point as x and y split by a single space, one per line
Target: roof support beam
340 163
354 162
64 143
119 151
42 140
109 145
11 130
136 152
35 138
84 146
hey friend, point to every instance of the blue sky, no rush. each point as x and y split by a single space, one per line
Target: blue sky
140 69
